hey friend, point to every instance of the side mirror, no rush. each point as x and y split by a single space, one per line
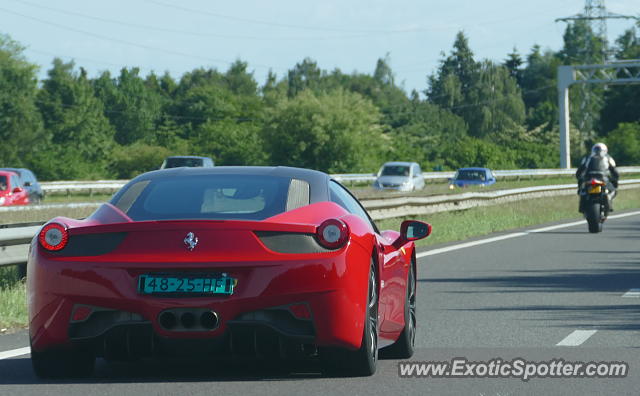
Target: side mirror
413 230
17 190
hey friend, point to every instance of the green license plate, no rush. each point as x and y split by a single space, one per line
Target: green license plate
176 284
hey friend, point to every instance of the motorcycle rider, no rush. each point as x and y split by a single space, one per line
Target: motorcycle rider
601 163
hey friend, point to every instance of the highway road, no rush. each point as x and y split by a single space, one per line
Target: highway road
549 292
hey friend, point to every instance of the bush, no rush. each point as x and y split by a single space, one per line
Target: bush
624 144
129 161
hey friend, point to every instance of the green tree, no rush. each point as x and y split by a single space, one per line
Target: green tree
624 143
133 106
422 132
513 63
335 131
127 162
497 102
622 102
21 130
230 142
383 73
582 46
449 87
304 75
81 136
539 86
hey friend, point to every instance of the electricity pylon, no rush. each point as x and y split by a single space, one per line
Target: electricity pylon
596 14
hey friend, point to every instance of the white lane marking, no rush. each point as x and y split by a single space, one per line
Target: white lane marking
577 338
514 235
14 353
470 244
632 293
558 226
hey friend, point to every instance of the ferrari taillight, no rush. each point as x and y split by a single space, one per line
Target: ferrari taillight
333 233
53 236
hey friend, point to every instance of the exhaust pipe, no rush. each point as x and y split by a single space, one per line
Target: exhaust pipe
168 320
187 319
209 320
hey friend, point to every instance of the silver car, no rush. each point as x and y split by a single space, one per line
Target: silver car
400 176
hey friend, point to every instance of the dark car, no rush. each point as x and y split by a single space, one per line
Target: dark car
29 183
187 160
280 263
472 177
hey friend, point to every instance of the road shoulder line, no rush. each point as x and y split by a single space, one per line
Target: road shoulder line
15 353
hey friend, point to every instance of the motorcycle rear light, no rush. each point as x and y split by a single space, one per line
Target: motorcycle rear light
595 182
332 234
53 236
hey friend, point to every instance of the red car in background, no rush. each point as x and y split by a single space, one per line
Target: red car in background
11 190
266 262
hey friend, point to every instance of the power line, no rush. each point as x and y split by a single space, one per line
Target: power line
281 25
184 32
129 43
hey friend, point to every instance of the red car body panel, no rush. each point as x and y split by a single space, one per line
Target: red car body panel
13 194
333 284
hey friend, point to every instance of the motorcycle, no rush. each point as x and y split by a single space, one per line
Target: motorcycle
594 202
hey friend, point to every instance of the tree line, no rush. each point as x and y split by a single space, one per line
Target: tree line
472 112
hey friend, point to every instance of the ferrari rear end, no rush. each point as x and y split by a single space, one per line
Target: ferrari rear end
240 271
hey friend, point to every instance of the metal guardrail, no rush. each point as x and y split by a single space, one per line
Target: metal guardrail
14 241
111 186
370 177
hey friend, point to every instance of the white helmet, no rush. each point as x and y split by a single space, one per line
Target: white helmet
599 149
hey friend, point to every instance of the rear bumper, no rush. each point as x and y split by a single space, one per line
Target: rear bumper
334 292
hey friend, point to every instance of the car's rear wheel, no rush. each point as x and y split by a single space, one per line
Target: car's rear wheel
363 361
63 363
404 347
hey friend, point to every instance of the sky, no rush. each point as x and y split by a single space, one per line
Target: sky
179 36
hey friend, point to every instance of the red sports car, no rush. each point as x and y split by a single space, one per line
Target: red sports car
270 262
11 191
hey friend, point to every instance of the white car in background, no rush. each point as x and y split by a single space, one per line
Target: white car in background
400 176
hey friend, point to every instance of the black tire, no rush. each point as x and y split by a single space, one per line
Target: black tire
362 362
63 363
404 347
593 216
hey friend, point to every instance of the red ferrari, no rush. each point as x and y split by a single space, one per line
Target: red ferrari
265 262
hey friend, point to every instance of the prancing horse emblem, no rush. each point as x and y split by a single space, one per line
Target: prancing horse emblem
191 240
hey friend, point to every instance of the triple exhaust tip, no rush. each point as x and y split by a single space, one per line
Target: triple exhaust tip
169 320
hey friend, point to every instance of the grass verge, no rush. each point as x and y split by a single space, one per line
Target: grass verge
13 300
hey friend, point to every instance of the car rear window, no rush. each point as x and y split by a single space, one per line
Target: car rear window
178 162
3 183
471 175
395 170
248 197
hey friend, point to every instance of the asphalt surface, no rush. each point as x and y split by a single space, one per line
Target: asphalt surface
515 297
